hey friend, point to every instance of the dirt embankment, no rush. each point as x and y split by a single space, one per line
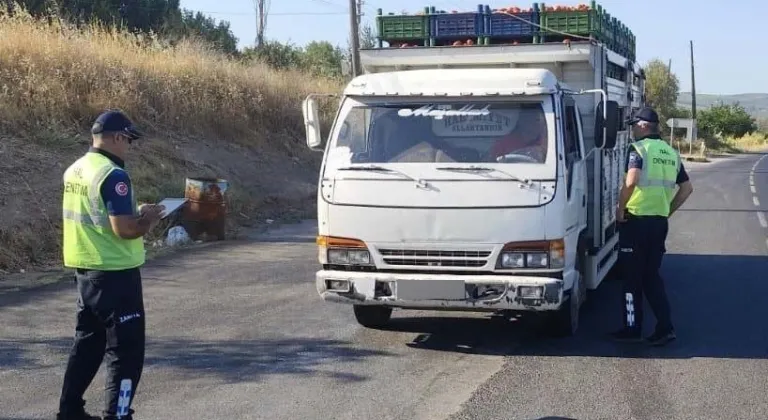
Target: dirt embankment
205 115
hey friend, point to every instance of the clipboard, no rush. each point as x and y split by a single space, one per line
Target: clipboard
171 205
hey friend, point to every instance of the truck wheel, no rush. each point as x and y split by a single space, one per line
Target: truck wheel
565 322
372 316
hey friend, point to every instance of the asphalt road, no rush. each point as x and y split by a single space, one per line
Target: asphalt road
716 272
252 340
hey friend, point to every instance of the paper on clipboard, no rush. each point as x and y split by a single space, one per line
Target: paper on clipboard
171 205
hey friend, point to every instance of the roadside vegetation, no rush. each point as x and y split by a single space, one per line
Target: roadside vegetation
209 108
723 127
207 113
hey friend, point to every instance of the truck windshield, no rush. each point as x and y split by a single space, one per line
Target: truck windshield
459 132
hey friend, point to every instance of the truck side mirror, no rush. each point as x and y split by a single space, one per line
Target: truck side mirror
610 123
312 123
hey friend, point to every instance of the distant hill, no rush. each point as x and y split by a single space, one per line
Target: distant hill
755 103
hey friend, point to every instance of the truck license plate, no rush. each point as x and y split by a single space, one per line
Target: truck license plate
430 290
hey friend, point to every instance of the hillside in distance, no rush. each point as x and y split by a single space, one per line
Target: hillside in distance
755 103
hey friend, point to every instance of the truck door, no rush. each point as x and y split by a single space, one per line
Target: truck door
575 171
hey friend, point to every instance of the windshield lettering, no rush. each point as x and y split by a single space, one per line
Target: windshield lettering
439 112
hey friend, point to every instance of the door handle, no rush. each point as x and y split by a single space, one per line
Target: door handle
583 201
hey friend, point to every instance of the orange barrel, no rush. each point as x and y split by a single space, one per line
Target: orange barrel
206 209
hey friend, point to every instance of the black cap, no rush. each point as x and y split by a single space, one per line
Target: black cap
115 121
645 114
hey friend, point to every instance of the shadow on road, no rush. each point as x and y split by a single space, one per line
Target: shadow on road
228 360
249 360
718 303
13 296
16 354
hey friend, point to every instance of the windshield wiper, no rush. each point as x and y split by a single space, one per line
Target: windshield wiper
475 168
377 168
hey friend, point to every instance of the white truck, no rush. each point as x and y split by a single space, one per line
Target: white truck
479 178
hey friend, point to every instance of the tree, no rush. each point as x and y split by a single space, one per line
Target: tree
323 59
197 25
662 88
367 37
728 120
762 124
163 17
276 54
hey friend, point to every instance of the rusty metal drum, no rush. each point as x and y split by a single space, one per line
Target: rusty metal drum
206 207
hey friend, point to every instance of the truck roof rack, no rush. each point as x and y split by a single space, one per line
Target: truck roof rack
378 60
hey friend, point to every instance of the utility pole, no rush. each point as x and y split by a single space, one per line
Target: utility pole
693 86
693 100
360 4
261 20
669 77
355 37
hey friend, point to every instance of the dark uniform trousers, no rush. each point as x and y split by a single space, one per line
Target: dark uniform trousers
110 322
641 249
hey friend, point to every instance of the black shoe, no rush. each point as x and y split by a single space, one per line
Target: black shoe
629 335
660 339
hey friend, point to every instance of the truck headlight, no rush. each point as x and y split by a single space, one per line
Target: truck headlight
539 254
513 260
537 260
348 257
342 251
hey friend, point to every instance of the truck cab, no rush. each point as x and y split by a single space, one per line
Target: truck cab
457 181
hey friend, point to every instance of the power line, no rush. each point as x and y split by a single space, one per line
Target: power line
267 12
328 2
273 14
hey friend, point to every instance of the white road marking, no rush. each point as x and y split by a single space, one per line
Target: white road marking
760 215
761 218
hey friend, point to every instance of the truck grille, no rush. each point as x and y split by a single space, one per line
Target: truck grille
434 258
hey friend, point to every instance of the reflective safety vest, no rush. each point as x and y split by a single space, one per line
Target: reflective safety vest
656 188
89 242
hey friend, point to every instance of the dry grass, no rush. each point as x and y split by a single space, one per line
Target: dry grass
755 142
66 76
205 115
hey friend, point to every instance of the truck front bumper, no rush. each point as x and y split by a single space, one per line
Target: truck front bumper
441 291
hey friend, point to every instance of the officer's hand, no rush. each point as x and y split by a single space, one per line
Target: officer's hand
151 210
620 216
153 213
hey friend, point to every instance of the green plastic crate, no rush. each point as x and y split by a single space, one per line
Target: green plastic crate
583 23
622 35
403 27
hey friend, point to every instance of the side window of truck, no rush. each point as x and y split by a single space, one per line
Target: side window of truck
572 150
571 141
354 131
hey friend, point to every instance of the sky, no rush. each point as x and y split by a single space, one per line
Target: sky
727 55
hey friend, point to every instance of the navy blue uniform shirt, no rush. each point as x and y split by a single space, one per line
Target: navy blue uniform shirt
635 161
116 189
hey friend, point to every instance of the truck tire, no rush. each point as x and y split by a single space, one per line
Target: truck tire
372 316
565 321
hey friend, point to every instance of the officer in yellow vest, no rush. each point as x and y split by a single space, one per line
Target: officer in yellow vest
648 198
103 229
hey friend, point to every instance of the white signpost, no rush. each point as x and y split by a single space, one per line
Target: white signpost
687 123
